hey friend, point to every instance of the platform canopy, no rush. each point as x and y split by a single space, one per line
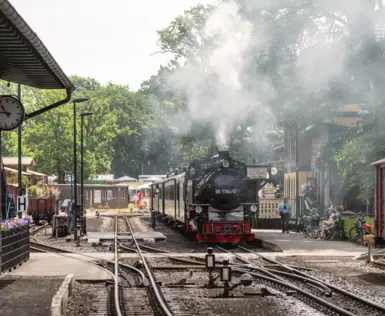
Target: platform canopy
25 60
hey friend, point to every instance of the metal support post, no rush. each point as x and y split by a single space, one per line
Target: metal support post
297 207
74 173
370 253
82 172
84 227
19 156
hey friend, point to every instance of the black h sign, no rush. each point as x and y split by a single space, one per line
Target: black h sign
21 203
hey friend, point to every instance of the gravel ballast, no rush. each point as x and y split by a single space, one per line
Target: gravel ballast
357 277
81 301
28 296
200 301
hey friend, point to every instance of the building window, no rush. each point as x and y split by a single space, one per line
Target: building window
121 194
104 194
97 197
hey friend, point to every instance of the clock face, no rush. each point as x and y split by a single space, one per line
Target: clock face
11 113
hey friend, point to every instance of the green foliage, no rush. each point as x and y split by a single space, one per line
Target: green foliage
141 132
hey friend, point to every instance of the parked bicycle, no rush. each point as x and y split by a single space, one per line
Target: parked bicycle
311 226
359 229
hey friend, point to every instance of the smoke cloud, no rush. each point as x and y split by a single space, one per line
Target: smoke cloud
224 86
214 86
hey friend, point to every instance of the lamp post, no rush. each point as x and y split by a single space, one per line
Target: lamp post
79 100
82 166
19 156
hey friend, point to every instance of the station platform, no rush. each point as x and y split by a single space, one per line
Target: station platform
28 296
51 264
102 236
295 243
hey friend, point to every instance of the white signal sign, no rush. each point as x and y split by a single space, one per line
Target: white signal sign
257 172
22 203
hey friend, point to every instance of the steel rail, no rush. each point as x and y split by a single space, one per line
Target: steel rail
159 298
272 273
127 248
36 245
332 287
65 253
152 249
259 269
303 292
116 271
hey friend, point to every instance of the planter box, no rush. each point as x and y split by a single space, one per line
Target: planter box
14 247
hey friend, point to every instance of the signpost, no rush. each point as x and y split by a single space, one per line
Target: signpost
21 204
257 173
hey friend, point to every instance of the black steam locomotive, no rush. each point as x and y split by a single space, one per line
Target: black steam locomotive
215 197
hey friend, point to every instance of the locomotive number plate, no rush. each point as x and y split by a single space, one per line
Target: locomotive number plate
227 191
257 172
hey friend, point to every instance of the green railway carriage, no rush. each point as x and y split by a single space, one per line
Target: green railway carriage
168 198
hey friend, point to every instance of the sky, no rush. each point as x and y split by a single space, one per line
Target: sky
109 40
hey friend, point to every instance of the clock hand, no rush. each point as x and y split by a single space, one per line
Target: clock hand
8 113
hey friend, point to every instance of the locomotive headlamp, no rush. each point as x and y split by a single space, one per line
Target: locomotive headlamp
198 209
253 208
225 163
210 258
274 171
226 271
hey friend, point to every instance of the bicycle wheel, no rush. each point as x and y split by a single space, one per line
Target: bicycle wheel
313 231
354 235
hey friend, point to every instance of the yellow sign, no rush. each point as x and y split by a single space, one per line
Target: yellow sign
369 239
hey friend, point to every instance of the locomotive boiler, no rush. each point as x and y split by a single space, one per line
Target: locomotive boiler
215 198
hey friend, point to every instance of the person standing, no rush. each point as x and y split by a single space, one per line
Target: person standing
284 210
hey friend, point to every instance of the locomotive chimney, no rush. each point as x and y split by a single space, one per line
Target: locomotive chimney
224 152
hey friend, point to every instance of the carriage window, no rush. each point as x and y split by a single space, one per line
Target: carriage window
170 192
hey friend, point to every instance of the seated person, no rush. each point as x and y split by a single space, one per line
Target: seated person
329 222
334 220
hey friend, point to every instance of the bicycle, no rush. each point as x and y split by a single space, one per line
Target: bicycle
311 227
357 232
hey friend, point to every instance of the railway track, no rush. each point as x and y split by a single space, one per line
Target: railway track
154 292
334 301
379 264
40 247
